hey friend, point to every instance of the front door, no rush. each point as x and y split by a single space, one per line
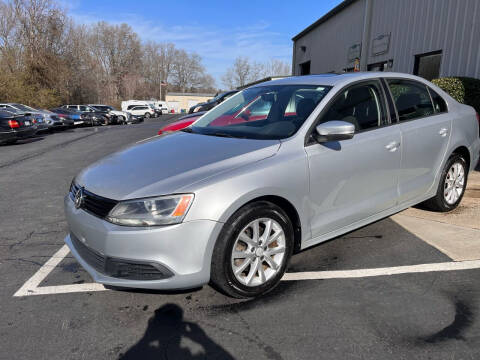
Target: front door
351 180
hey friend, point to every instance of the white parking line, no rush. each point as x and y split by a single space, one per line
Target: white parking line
31 287
396 270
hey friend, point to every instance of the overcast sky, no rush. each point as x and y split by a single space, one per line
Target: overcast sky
218 31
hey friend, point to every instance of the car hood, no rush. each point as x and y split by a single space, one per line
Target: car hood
170 164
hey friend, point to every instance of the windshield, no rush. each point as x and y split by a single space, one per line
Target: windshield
264 112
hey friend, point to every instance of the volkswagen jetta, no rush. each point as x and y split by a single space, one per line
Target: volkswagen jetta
276 168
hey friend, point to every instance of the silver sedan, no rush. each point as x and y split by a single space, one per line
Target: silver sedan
277 168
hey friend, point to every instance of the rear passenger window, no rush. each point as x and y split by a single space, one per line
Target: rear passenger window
361 105
439 104
411 99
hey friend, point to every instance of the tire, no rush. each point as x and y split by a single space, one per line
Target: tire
446 200
253 260
147 115
122 120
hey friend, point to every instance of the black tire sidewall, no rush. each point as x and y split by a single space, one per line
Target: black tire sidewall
230 233
453 159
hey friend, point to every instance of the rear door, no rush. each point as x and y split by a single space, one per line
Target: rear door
425 129
353 179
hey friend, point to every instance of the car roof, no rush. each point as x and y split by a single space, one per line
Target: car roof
332 79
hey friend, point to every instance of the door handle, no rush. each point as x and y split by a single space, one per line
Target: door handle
393 146
443 132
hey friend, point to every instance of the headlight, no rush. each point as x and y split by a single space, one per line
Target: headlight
163 210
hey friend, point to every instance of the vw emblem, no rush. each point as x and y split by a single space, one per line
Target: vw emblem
79 197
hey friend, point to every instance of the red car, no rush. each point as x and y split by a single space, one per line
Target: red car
181 123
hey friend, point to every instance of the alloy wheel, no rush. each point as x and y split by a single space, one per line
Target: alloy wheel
258 252
454 183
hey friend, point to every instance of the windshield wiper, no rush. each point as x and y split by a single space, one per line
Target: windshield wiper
221 134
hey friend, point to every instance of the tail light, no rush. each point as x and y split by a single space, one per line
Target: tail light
13 124
160 132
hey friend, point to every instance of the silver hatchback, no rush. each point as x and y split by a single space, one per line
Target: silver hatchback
277 168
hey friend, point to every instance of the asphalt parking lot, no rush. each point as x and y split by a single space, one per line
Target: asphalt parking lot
397 289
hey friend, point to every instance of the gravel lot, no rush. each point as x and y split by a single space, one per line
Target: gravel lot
416 315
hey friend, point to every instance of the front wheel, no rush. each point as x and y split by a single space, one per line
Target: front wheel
147 115
452 185
252 251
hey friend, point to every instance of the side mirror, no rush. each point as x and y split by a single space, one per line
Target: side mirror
334 131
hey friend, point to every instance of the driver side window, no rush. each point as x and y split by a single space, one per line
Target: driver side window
361 105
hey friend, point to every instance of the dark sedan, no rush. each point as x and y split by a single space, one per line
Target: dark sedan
77 117
14 127
210 104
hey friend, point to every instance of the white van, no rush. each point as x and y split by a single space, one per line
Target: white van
126 104
161 106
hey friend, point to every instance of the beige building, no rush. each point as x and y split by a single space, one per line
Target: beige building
184 101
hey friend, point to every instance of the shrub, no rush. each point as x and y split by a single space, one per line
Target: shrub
463 89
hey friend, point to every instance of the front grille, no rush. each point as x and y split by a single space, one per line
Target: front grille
93 258
120 268
97 205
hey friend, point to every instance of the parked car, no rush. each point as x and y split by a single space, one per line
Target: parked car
37 116
116 117
228 205
181 123
93 117
210 104
161 106
58 121
141 110
14 127
135 119
77 117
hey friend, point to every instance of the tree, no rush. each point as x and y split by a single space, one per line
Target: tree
46 59
245 71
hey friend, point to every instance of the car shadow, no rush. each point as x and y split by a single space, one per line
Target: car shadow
26 141
165 333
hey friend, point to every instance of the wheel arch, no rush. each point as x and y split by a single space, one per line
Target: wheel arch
463 151
289 209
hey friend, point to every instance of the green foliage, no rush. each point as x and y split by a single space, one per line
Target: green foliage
463 89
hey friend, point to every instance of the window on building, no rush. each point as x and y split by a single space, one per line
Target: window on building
411 99
428 65
380 66
361 105
305 68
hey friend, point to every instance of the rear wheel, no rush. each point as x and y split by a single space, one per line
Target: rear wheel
252 251
452 185
147 115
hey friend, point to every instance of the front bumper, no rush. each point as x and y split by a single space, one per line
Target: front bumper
184 250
